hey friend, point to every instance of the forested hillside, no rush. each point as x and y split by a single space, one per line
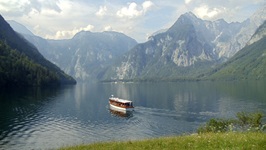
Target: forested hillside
16 69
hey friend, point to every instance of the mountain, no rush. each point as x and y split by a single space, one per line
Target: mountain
23 65
158 32
176 52
190 47
248 63
259 34
249 26
19 27
86 54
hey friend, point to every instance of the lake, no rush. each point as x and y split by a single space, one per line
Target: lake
48 118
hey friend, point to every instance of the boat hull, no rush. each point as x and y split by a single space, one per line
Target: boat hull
122 109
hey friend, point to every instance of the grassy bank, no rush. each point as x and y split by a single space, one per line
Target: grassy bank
247 140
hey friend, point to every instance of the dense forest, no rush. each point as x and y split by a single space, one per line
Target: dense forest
16 69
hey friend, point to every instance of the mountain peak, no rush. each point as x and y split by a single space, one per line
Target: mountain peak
185 20
82 34
221 21
190 15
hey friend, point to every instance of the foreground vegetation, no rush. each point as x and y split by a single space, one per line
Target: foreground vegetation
244 122
245 132
231 140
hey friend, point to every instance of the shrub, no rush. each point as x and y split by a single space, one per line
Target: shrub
250 121
244 122
216 125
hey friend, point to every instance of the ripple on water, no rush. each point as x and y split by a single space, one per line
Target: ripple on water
41 125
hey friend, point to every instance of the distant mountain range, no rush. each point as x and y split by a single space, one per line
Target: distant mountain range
21 64
86 55
187 50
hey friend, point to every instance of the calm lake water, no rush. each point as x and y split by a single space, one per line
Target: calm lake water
37 118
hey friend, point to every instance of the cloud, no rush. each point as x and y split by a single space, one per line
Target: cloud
187 1
129 12
102 11
88 28
14 7
147 5
25 7
63 18
40 5
108 28
133 10
66 34
205 12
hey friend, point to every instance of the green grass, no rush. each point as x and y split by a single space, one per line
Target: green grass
247 140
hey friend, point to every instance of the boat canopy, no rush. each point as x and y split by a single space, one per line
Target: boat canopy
120 100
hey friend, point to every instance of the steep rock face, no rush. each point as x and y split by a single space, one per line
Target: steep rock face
223 35
191 41
217 34
86 54
173 53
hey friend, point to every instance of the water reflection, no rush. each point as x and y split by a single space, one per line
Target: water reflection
21 114
125 114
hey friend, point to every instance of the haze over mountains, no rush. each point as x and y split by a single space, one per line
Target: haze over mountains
188 49
21 64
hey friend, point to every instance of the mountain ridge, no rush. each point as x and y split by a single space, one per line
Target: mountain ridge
87 54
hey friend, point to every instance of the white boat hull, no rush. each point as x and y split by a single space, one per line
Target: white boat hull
120 108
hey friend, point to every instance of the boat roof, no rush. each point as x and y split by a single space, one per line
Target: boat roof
120 100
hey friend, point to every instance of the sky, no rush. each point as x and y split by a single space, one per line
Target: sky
62 19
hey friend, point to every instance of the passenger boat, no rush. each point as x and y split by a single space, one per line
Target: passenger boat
121 104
